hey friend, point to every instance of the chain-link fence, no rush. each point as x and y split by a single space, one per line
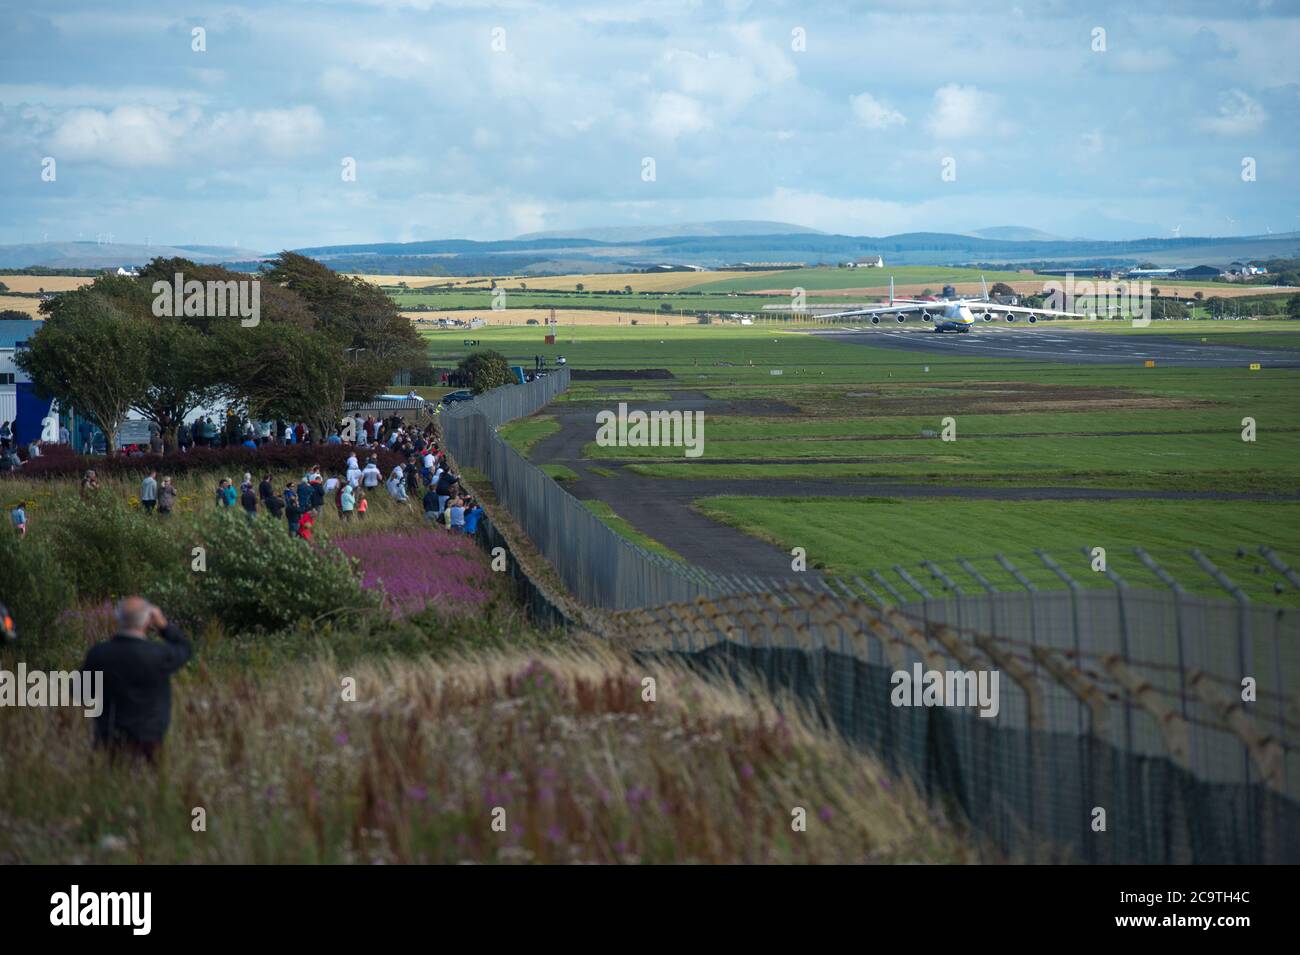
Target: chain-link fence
597 565
1145 724
1094 746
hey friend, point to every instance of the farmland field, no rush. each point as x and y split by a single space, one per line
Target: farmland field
48 283
18 303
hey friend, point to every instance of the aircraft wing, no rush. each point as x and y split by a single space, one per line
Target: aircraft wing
898 307
1020 310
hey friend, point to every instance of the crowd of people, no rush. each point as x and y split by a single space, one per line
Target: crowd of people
425 476
203 432
424 479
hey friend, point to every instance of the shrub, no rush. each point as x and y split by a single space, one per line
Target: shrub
108 548
259 578
486 369
33 584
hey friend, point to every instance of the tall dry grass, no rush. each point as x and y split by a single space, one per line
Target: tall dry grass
584 769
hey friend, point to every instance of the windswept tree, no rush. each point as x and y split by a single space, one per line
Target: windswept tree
285 372
92 356
184 375
373 338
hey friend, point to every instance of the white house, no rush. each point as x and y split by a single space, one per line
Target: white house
878 262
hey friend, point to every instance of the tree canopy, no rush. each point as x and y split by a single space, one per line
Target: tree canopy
320 339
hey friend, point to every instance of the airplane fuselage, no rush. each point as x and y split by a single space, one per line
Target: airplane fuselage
954 318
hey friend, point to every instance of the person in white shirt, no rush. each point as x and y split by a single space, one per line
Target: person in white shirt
352 461
371 476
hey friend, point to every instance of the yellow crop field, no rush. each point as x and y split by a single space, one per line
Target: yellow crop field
617 281
17 304
596 282
565 317
424 281
50 283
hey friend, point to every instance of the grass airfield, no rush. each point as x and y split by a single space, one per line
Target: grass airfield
842 454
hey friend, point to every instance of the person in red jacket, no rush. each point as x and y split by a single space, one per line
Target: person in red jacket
305 525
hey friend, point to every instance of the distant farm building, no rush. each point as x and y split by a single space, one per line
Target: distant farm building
1199 272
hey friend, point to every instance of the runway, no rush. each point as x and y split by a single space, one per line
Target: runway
1065 347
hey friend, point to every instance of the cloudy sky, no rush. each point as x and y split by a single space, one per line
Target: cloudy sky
486 120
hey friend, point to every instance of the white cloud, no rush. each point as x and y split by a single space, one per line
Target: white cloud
674 114
959 111
1238 114
44 94
874 114
125 136
136 136
527 217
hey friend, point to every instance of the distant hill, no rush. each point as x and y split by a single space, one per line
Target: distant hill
1015 233
107 255
641 233
701 247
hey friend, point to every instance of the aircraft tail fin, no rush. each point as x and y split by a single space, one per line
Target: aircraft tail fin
984 287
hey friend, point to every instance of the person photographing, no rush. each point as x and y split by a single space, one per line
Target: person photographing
137 679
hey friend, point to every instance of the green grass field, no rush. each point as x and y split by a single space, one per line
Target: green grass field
855 536
526 432
834 278
852 412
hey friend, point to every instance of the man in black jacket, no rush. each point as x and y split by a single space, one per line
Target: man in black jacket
137 679
446 484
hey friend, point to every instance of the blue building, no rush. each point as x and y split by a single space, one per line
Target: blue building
19 403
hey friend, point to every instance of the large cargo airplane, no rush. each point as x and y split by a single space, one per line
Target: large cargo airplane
958 315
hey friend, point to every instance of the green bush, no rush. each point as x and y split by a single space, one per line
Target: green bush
109 549
33 584
258 578
486 369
